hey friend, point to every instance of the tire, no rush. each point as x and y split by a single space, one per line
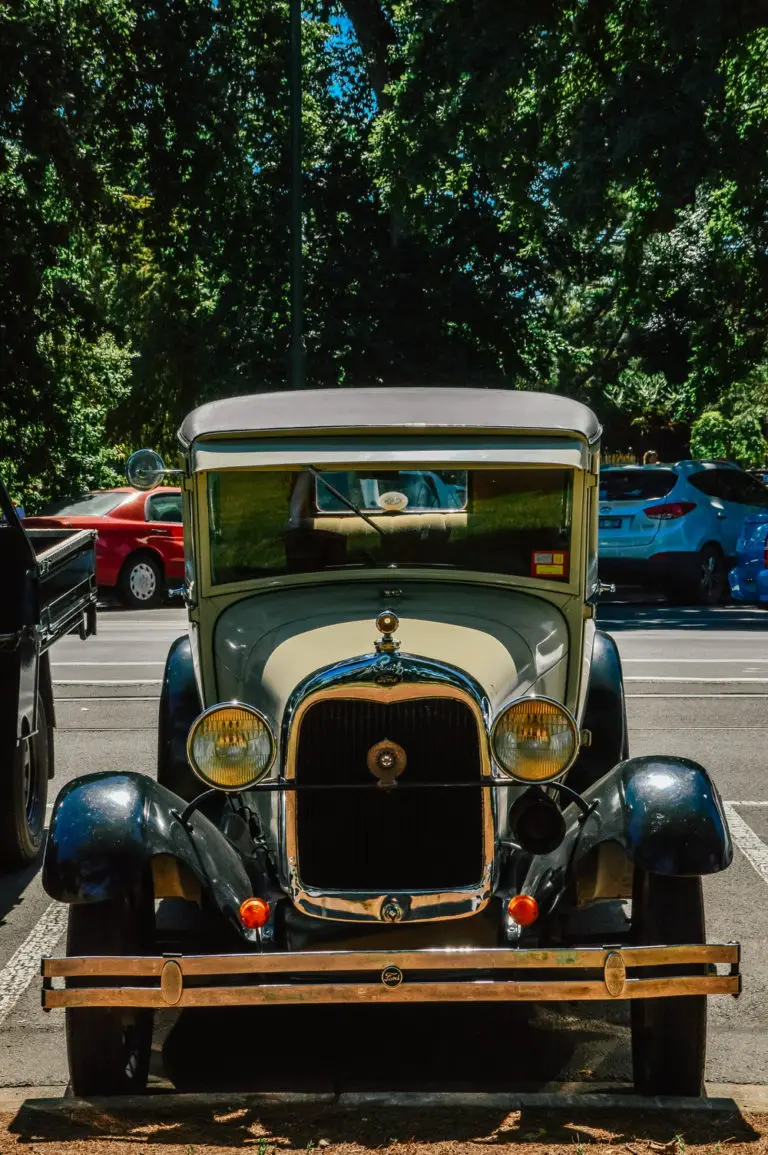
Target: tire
24 796
669 1036
709 584
141 585
109 1049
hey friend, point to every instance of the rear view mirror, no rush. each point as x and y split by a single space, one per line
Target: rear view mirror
145 469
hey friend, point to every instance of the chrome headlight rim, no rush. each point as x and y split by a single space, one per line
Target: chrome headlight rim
568 716
231 705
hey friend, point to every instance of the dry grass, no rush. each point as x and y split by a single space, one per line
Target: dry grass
203 1130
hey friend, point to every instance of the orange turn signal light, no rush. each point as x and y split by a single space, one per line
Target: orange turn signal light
523 909
254 913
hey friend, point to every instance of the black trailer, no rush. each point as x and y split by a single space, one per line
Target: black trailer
47 590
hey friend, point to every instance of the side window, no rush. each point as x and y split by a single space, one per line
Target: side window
164 507
713 482
745 490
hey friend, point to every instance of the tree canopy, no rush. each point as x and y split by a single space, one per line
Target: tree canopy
563 195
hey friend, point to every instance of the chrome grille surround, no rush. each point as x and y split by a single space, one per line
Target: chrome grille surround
387 678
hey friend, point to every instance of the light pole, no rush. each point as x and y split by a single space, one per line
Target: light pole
297 285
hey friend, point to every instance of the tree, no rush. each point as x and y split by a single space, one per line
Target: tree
568 196
739 438
62 367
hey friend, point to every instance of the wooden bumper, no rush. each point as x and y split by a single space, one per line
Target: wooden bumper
483 975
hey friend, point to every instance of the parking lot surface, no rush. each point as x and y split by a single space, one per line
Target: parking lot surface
697 685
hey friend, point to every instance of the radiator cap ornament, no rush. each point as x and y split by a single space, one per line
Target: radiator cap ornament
386 624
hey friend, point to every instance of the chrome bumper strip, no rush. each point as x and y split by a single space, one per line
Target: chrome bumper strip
394 976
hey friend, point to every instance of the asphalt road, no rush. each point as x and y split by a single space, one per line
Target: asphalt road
697 685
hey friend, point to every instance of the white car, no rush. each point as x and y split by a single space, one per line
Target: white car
675 526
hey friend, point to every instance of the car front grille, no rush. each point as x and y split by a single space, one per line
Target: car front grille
397 839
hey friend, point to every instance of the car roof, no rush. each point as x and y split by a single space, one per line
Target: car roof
689 465
130 491
396 409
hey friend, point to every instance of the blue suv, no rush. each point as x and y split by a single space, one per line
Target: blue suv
675 527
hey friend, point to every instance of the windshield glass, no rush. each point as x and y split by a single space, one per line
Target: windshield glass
510 521
87 505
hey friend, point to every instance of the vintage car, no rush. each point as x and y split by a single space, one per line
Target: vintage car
392 761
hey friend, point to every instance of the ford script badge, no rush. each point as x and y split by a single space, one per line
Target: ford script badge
391 977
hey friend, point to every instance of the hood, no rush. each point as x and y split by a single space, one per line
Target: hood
507 642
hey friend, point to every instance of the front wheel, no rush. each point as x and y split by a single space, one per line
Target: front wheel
669 1035
141 583
708 583
25 793
109 1048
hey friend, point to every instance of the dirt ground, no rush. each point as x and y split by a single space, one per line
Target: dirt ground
330 1129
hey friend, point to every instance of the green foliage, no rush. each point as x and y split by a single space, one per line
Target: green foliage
565 196
646 398
710 435
748 445
739 438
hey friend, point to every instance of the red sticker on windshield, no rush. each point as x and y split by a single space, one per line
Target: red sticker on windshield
551 565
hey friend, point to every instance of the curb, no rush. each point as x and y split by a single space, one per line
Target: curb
721 1097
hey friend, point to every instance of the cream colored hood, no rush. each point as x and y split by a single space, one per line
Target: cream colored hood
508 642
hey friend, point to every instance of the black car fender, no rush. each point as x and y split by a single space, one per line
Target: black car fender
106 830
605 716
665 812
179 706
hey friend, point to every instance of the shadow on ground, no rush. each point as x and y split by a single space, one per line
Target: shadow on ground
620 618
470 1047
304 1127
13 885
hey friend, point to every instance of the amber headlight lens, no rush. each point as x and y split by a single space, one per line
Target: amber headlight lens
535 740
230 747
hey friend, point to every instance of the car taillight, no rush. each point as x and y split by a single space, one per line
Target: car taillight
670 511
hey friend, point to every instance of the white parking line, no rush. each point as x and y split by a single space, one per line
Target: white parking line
24 964
701 661
121 682
670 678
59 665
752 847
156 698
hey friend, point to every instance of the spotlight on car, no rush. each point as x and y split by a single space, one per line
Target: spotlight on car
536 822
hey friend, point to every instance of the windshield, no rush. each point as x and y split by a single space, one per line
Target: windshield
87 505
513 521
636 484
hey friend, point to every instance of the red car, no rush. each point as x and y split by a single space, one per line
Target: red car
140 544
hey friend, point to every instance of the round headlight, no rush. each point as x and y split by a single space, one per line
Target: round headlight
535 739
230 747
